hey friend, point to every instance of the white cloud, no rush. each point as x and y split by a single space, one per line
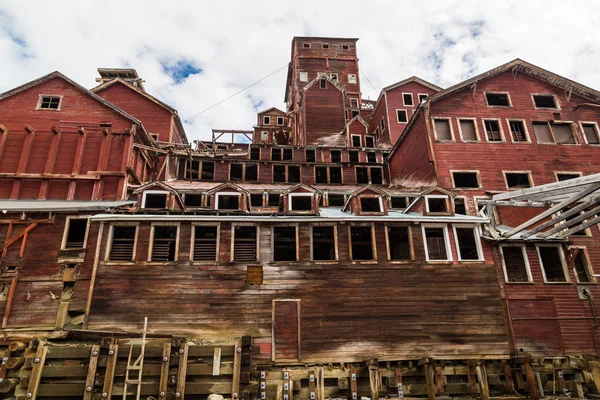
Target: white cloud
236 43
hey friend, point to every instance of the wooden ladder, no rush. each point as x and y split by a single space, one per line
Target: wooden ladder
138 365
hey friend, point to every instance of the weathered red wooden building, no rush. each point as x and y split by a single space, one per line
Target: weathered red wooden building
402 247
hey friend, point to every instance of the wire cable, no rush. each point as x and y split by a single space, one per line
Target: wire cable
367 78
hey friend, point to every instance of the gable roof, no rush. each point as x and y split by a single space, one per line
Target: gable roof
412 79
323 75
271 109
298 186
358 118
228 185
362 190
160 184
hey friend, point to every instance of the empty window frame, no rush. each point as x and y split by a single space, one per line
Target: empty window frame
254 153
207 172
354 113
399 243
369 141
243 172
422 97
323 83
356 141
76 232
301 202
382 124
192 200
437 204
273 199
192 169
494 99
336 200
362 243
155 199
123 242
401 116
228 201
467 129
310 155
590 132
351 78
493 130
518 131
266 120
287 154
285 243
324 243
437 242
280 121
442 129
546 132
468 243
353 156
244 243
581 265
345 47
306 45
371 204
407 99
515 264
276 154
399 202
544 101
256 199
331 175
336 156
303 76
49 102
371 157
465 179
372 175
552 262
565 176
460 205
325 45
286 174
354 103
517 179
164 243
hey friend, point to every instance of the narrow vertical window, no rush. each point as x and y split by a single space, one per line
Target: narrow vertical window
437 246
399 243
123 243
323 243
205 243
75 233
552 262
516 265
244 244
164 243
361 239
284 243
468 245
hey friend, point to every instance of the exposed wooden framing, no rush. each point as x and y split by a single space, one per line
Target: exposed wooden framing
91 374
534 393
3 141
508 378
111 363
164 371
581 227
540 385
36 373
217 362
483 382
81 140
26 150
595 366
312 385
472 381
400 391
439 381
182 371
237 362
13 240
429 380
570 223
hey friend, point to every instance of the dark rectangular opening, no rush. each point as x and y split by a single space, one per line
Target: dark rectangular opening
306 45
399 242
293 174
321 174
407 98
244 244
276 154
50 102
517 180
356 141
256 200
459 206
354 113
301 203
516 269
376 176
369 141
422 97
255 153
370 204
402 116
492 130
336 156
436 243
353 156
345 47
591 133
371 157
310 155
467 243
288 154
284 243
517 131
323 244
236 172
155 200
362 243
566 177
267 120
336 200
326 46
193 200
273 200
335 175
164 243
278 173
229 202
205 243
437 205
544 101
362 175
323 83
280 121
191 169
208 197
581 267
399 202
123 242
465 179
76 233
552 264
251 172
497 99
208 171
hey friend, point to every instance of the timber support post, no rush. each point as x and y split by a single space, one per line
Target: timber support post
429 373
534 393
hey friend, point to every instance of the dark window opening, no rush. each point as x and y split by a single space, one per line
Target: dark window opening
306 45
362 175
278 173
287 154
193 200
244 244
50 102
465 179
399 242
402 116
323 243
164 243
552 264
336 156
310 155
467 244
517 131
377 176
436 244
321 174
407 98
323 83
123 242
566 177
370 204
371 157
467 130
251 172
362 243
267 120
442 129
345 47
516 269
76 233
325 46
280 121
563 133
255 153
284 243
492 130
369 141
236 172
354 113
208 197
399 202
356 142
437 205
591 133
353 156
460 207
276 154
208 171
273 200
293 174
497 99
205 243
301 203
517 180
229 202
335 174
155 200
191 169
422 97
544 101
256 200
336 200
581 267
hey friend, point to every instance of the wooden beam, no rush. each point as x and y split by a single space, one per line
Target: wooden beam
79 151
483 382
534 393
182 371
561 217
13 240
111 363
595 367
36 373
164 371
429 380
581 227
216 361
561 187
90 295
9 300
472 381
237 363
571 222
26 151
312 385
91 374
374 382
400 390
3 142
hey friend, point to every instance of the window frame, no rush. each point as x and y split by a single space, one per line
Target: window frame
287 177
68 220
232 246
369 178
550 123
588 265
410 244
289 225
151 241
563 262
146 192
525 259
529 177
371 196
450 258
510 104
193 239
405 113
303 76
282 121
476 172
477 235
373 242
352 78
290 195
502 136
352 101
352 141
412 100
109 242
335 243
555 97
438 196
421 98
596 129
556 173
238 194
526 130
372 138
449 120
460 132
38 107
266 120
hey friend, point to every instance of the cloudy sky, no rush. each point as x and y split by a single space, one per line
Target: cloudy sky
194 54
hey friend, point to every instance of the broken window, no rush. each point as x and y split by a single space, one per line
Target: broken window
76 232
310 155
280 121
251 173
354 103
303 76
256 200
581 266
191 169
468 244
336 200
361 239
205 243
356 142
437 204
49 102
323 243
193 200
276 154
266 120
517 131
542 132
323 83
422 97
255 153
164 243
154 200
273 200
284 243
236 172
370 204
362 175
460 206
467 130
517 180
321 174
442 129
301 202
351 78
492 130
369 141
591 133
279 173
376 176
399 243
335 175
552 262
544 101
288 154
436 243
497 99
399 202
208 171
228 202
465 179
515 262
244 244
353 156
371 157
407 98
336 156
563 133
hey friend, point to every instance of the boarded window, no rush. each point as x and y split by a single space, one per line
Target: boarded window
369 141
335 175
515 264
591 133
362 243
288 154
492 131
402 116
399 202
544 101
50 102
236 172
336 156
582 269
467 243
442 129
517 131
336 200
467 129
310 155
353 156
371 157
284 243
244 244
459 206
123 242
321 174
356 142
76 230
254 274
437 204
515 180
208 171
301 203
362 175
497 99
563 133
304 75
376 176
399 242
155 200
407 98
251 173
542 132
436 244
229 202
279 173
205 243
552 265
256 200
370 204
255 153
164 244
193 200
465 179
323 244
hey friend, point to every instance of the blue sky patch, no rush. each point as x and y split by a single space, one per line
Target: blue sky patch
180 70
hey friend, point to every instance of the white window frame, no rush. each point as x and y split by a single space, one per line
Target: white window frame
449 120
446 242
227 194
38 107
419 97
510 104
232 247
290 195
146 192
266 120
353 102
193 239
524 122
545 94
352 140
410 243
303 76
531 183
371 197
68 225
412 100
502 136
282 121
352 78
477 234
374 141
562 261
151 240
109 242
335 243
460 133
595 124
437 196
405 113
525 259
